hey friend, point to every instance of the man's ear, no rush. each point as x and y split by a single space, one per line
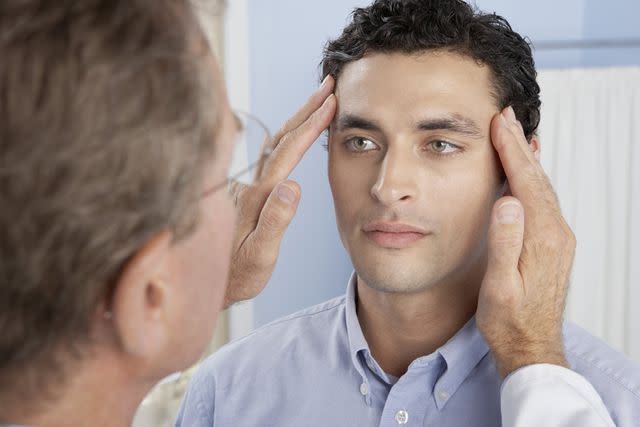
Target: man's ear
534 143
139 301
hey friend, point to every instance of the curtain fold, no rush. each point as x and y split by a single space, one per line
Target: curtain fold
589 132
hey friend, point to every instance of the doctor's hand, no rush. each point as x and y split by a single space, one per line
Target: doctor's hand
266 207
531 250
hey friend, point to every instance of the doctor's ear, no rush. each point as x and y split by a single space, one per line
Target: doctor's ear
139 303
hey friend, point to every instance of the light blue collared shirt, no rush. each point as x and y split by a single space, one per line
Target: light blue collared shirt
314 368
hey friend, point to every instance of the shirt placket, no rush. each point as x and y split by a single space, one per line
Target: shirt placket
409 399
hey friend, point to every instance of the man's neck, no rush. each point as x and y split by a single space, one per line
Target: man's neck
401 327
100 393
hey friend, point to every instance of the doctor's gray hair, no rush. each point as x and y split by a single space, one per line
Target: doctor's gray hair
108 117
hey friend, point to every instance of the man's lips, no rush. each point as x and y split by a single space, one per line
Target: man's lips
393 235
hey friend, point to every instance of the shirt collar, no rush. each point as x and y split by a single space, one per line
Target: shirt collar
461 353
357 343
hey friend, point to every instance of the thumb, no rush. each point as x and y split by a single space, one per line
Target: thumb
275 217
505 239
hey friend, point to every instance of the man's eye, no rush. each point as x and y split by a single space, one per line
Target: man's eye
360 144
443 147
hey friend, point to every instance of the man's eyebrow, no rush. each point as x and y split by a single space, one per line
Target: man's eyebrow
454 122
352 121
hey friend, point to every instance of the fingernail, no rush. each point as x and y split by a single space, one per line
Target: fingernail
509 213
510 114
324 82
286 194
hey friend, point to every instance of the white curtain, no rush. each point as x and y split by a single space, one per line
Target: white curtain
590 139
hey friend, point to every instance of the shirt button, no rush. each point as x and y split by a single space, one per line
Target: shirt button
364 389
402 417
443 395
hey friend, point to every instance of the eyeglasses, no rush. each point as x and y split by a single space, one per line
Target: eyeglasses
250 128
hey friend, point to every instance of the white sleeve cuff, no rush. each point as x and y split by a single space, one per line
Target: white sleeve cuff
553 396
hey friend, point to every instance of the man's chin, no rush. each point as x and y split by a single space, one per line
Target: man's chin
407 270
393 279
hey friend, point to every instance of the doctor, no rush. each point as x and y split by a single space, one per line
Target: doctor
116 231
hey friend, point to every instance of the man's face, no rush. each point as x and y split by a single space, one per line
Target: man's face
412 168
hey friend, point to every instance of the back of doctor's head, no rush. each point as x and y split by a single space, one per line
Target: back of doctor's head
413 26
106 122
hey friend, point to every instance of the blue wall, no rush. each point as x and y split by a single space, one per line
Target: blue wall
286 40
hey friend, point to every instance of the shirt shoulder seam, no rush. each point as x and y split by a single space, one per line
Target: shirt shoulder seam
608 372
338 302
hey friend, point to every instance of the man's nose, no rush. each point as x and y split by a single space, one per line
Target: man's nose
396 181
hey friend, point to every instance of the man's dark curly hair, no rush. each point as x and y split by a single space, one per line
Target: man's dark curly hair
413 26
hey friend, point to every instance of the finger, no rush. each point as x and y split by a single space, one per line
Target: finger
235 189
276 215
507 142
505 241
265 150
527 180
515 126
249 201
294 144
313 103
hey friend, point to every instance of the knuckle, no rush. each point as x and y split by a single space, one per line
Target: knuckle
498 297
556 244
289 137
262 261
284 139
533 249
553 241
508 240
238 192
271 220
309 124
562 238
246 202
255 259
277 137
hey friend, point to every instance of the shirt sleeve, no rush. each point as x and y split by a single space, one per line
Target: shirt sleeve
553 396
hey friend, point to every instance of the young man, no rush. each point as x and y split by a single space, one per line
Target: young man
426 90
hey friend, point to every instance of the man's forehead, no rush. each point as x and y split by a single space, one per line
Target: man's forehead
433 73
415 87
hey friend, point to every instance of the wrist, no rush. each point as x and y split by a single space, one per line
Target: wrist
509 362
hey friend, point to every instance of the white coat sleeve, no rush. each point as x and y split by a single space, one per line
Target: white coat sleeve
551 396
